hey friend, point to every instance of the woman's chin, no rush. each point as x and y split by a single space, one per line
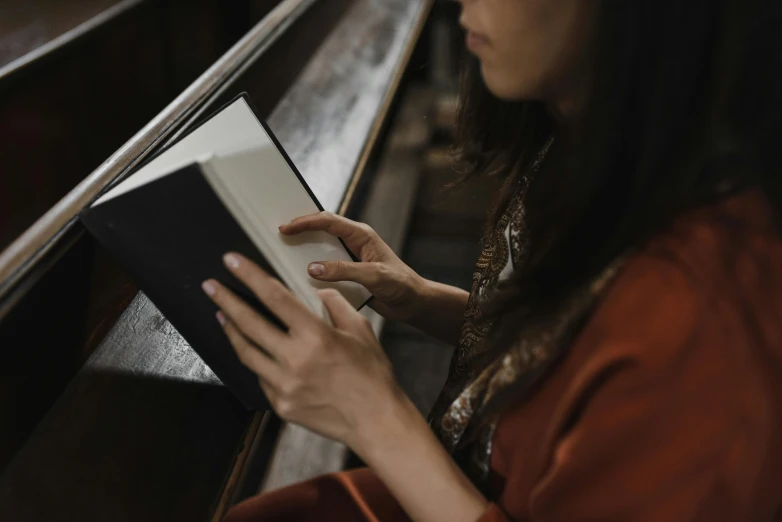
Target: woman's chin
503 87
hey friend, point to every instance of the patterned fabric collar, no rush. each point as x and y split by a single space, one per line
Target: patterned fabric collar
457 417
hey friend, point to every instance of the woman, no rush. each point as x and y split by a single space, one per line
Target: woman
620 355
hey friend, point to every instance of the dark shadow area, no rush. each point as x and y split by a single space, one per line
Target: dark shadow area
40 344
161 449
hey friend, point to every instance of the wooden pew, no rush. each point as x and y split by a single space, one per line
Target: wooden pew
78 78
144 431
54 272
33 29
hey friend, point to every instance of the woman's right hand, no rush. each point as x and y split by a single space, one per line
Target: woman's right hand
396 288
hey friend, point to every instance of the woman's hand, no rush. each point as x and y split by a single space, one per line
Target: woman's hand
337 381
396 288
330 379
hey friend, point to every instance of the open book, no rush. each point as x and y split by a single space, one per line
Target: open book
225 186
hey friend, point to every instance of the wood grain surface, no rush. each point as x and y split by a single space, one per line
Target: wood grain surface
30 29
22 255
59 120
353 102
145 431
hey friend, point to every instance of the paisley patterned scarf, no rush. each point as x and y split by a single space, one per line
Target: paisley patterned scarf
457 417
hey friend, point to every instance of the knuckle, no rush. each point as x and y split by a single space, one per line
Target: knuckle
339 268
327 342
382 271
296 365
318 341
366 230
308 354
289 389
283 407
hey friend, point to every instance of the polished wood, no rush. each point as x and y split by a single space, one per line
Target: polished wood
376 129
391 198
59 116
239 470
22 255
32 29
55 130
304 39
69 108
59 119
369 71
144 431
76 288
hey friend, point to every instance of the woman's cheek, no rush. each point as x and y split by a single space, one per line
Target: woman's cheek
511 76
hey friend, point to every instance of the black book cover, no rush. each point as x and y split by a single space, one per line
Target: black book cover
171 235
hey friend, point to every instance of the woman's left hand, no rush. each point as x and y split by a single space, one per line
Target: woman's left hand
337 381
333 380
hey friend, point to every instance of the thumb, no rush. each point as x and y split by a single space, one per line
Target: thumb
343 315
366 274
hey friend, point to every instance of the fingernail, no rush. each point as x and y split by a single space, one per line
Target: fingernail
316 269
209 288
220 317
231 261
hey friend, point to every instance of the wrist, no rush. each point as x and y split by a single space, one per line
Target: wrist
423 292
385 432
407 457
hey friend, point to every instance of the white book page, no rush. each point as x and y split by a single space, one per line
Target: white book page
270 194
255 182
235 128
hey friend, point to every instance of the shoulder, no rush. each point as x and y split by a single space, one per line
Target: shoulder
692 327
701 282
673 384
677 374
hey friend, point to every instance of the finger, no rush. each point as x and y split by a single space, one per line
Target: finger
278 299
353 233
250 356
252 325
342 313
310 222
367 274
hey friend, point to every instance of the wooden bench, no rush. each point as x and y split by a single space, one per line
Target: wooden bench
144 430
79 77
54 273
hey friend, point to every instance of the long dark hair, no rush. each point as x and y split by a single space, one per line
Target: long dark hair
686 101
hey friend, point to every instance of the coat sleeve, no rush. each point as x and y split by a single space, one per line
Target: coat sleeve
670 422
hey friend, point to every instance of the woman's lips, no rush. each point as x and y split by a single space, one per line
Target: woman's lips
476 41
